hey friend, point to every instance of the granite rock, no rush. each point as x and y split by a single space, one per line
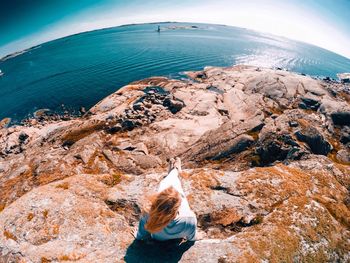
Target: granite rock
268 179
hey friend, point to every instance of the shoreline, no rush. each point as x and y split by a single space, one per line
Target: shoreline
264 152
63 113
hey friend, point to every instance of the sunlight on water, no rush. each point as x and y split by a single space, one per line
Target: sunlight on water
82 69
269 58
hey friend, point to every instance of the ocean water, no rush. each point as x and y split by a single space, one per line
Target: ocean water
81 69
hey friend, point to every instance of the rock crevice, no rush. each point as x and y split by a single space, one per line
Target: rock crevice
266 157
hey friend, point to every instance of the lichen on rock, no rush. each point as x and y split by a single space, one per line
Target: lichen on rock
266 170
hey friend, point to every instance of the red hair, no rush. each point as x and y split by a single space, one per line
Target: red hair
164 208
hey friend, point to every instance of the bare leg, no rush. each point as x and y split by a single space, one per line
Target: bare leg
171 165
172 179
177 164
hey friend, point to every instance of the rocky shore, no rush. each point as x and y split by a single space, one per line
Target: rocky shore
266 157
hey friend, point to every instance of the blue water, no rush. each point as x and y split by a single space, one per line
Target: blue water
81 69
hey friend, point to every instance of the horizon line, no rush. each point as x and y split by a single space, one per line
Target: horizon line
22 51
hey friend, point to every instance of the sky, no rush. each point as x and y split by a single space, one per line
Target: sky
25 23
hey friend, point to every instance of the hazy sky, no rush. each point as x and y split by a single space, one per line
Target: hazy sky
325 23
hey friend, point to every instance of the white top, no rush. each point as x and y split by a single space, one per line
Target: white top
184 224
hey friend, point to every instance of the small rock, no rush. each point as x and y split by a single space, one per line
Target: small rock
275 147
138 106
309 103
22 137
5 122
41 113
315 140
248 219
173 105
345 135
82 110
128 125
223 112
116 128
147 104
341 118
293 123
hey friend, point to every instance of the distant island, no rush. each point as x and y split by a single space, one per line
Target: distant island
86 67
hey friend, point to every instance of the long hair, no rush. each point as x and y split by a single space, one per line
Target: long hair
164 208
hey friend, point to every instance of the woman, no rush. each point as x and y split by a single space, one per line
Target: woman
170 216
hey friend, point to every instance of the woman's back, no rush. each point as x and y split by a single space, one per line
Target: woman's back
183 225
180 227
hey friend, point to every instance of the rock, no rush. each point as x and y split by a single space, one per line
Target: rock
146 161
173 105
82 110
5 122
337 111
229 139
147 104
128 125
137 106
196 75
315 140
22 137
115 128
41 113
73 187
341 118
293 123
33 122
276 147
343 156
345 135
309 103
344 77
237 145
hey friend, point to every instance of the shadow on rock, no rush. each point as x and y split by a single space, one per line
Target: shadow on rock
156 251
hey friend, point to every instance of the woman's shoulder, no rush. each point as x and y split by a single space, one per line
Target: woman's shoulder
188 220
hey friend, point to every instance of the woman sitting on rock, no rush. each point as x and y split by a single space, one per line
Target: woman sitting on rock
170 216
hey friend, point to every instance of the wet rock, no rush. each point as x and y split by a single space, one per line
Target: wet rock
345 135
137 106
82 110
276 147
315 140
115 128
293 124
173 105
5 122
128 125
41 114
22 137
341 118
309 103
197 75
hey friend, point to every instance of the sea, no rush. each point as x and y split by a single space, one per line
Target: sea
81 69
